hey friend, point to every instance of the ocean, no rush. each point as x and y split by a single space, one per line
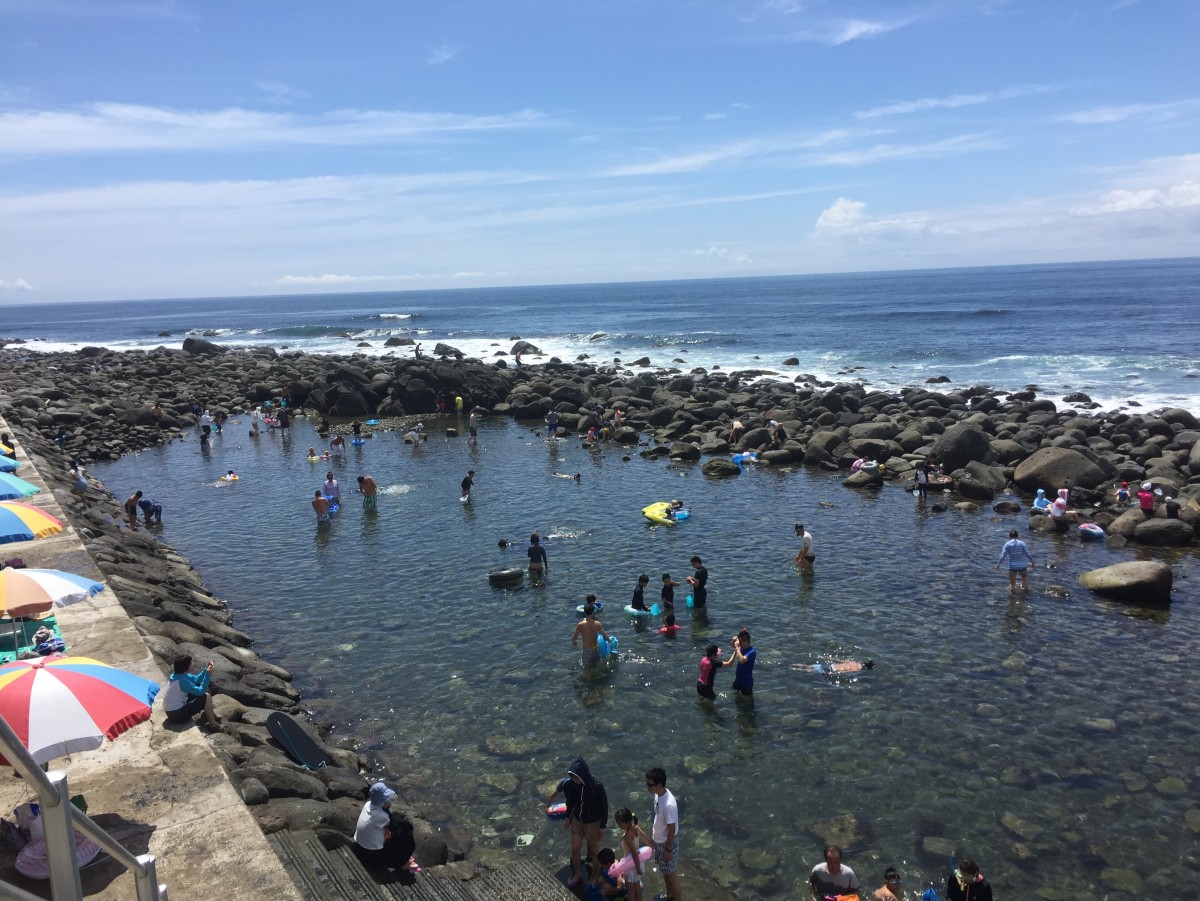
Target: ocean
1119 332
1052 738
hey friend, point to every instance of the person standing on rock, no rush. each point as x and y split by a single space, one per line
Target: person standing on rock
664 833
79 482
467 484
1019 561
1145 498
804 556
699 582
552 424
587 814
370 491
131 510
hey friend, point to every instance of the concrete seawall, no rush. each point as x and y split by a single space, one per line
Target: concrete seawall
156 789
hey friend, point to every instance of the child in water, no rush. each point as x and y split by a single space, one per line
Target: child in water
669 626
668 593
709 664
639 595
631 843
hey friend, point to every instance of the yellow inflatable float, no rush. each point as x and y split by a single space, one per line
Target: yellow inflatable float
659 513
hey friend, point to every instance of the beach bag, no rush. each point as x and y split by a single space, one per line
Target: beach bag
11 838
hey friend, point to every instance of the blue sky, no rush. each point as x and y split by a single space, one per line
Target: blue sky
179 148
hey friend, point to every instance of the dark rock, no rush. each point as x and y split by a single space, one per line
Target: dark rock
721 468
1164 533
1053 467
681 450
960 444
200 347
445 350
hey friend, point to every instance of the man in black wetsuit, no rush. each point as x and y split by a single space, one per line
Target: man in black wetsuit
699 580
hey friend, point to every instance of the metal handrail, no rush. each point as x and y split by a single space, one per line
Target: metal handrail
59 821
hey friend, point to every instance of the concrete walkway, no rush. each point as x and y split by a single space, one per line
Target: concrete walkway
155 788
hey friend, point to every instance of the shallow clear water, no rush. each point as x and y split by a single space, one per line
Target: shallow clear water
1065 714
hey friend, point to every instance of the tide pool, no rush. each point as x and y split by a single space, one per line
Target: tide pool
1053 740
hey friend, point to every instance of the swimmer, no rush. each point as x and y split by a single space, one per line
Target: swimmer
588 628
312 453
566 475
669 626
504 544
331 489
229 476
833 667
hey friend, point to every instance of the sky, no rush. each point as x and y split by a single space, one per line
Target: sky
187 148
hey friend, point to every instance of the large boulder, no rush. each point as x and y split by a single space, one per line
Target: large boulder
864 479
202 348
682 450
960 444
1139 582
721 468
1053 467
446 350
1164 533
1126 524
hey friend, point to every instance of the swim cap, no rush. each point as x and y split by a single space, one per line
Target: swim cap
1124 484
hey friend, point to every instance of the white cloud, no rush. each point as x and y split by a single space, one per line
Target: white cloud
1121 200
115 127
841 31
842 214
968 143
14 285
1108 115
442 53
715 117
954 101
724 254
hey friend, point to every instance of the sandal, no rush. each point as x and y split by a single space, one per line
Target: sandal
412 866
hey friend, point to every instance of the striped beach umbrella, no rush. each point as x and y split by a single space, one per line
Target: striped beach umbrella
60 705
13 487
24 592
25 522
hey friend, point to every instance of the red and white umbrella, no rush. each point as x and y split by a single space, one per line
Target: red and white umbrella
60 705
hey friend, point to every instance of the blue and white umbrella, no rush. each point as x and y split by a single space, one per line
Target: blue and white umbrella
8 464
12 487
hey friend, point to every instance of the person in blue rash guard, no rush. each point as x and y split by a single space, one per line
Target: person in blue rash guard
1019 560
187 692
743 673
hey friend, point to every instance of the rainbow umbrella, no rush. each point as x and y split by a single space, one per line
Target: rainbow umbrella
25 522
12 487
24 592
8 464
60 705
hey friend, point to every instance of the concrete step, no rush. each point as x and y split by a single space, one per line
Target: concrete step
338 875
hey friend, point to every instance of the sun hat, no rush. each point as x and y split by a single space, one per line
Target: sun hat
381 794
1146 486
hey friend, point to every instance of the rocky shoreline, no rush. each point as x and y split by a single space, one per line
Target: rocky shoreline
99 404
